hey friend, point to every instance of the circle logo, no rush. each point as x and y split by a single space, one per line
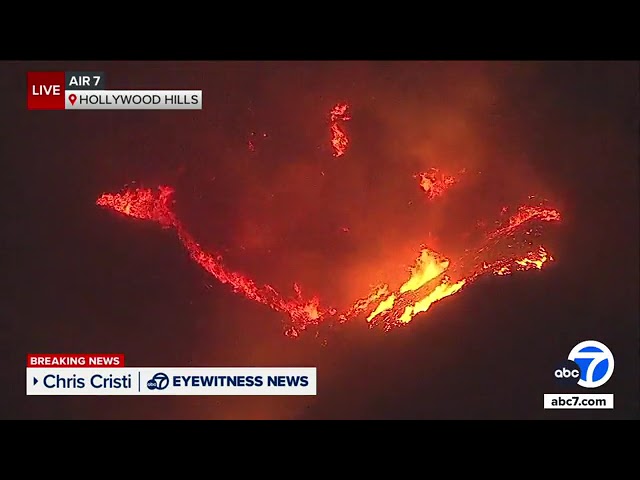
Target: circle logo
595 361
159 381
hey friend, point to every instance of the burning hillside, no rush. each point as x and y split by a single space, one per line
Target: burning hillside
511 246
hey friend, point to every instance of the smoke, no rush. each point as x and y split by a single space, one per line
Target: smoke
293 211
257 181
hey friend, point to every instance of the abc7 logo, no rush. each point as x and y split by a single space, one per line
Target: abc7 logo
159 381
590 365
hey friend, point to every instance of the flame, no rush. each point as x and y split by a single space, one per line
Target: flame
434 183
430 282
535 259
403 305
428 266
142 203
339 138
432 277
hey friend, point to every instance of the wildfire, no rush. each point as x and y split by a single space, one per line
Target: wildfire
339 138
431 278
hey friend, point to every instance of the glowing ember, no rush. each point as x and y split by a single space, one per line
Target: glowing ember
432 278
525 214
435 183
339 139
254 139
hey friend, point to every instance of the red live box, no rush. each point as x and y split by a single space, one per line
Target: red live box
45 90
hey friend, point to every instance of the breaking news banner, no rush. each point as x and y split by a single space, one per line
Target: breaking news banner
88 91
106 374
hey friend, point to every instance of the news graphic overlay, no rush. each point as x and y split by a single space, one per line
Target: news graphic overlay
88 91
45 90
106 374
595 361
589 365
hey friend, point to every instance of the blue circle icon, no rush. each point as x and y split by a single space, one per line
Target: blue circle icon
595 361
159 381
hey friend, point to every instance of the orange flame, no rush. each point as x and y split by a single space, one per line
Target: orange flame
339 138
435 183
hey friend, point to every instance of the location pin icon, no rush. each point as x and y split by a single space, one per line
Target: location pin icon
73 98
